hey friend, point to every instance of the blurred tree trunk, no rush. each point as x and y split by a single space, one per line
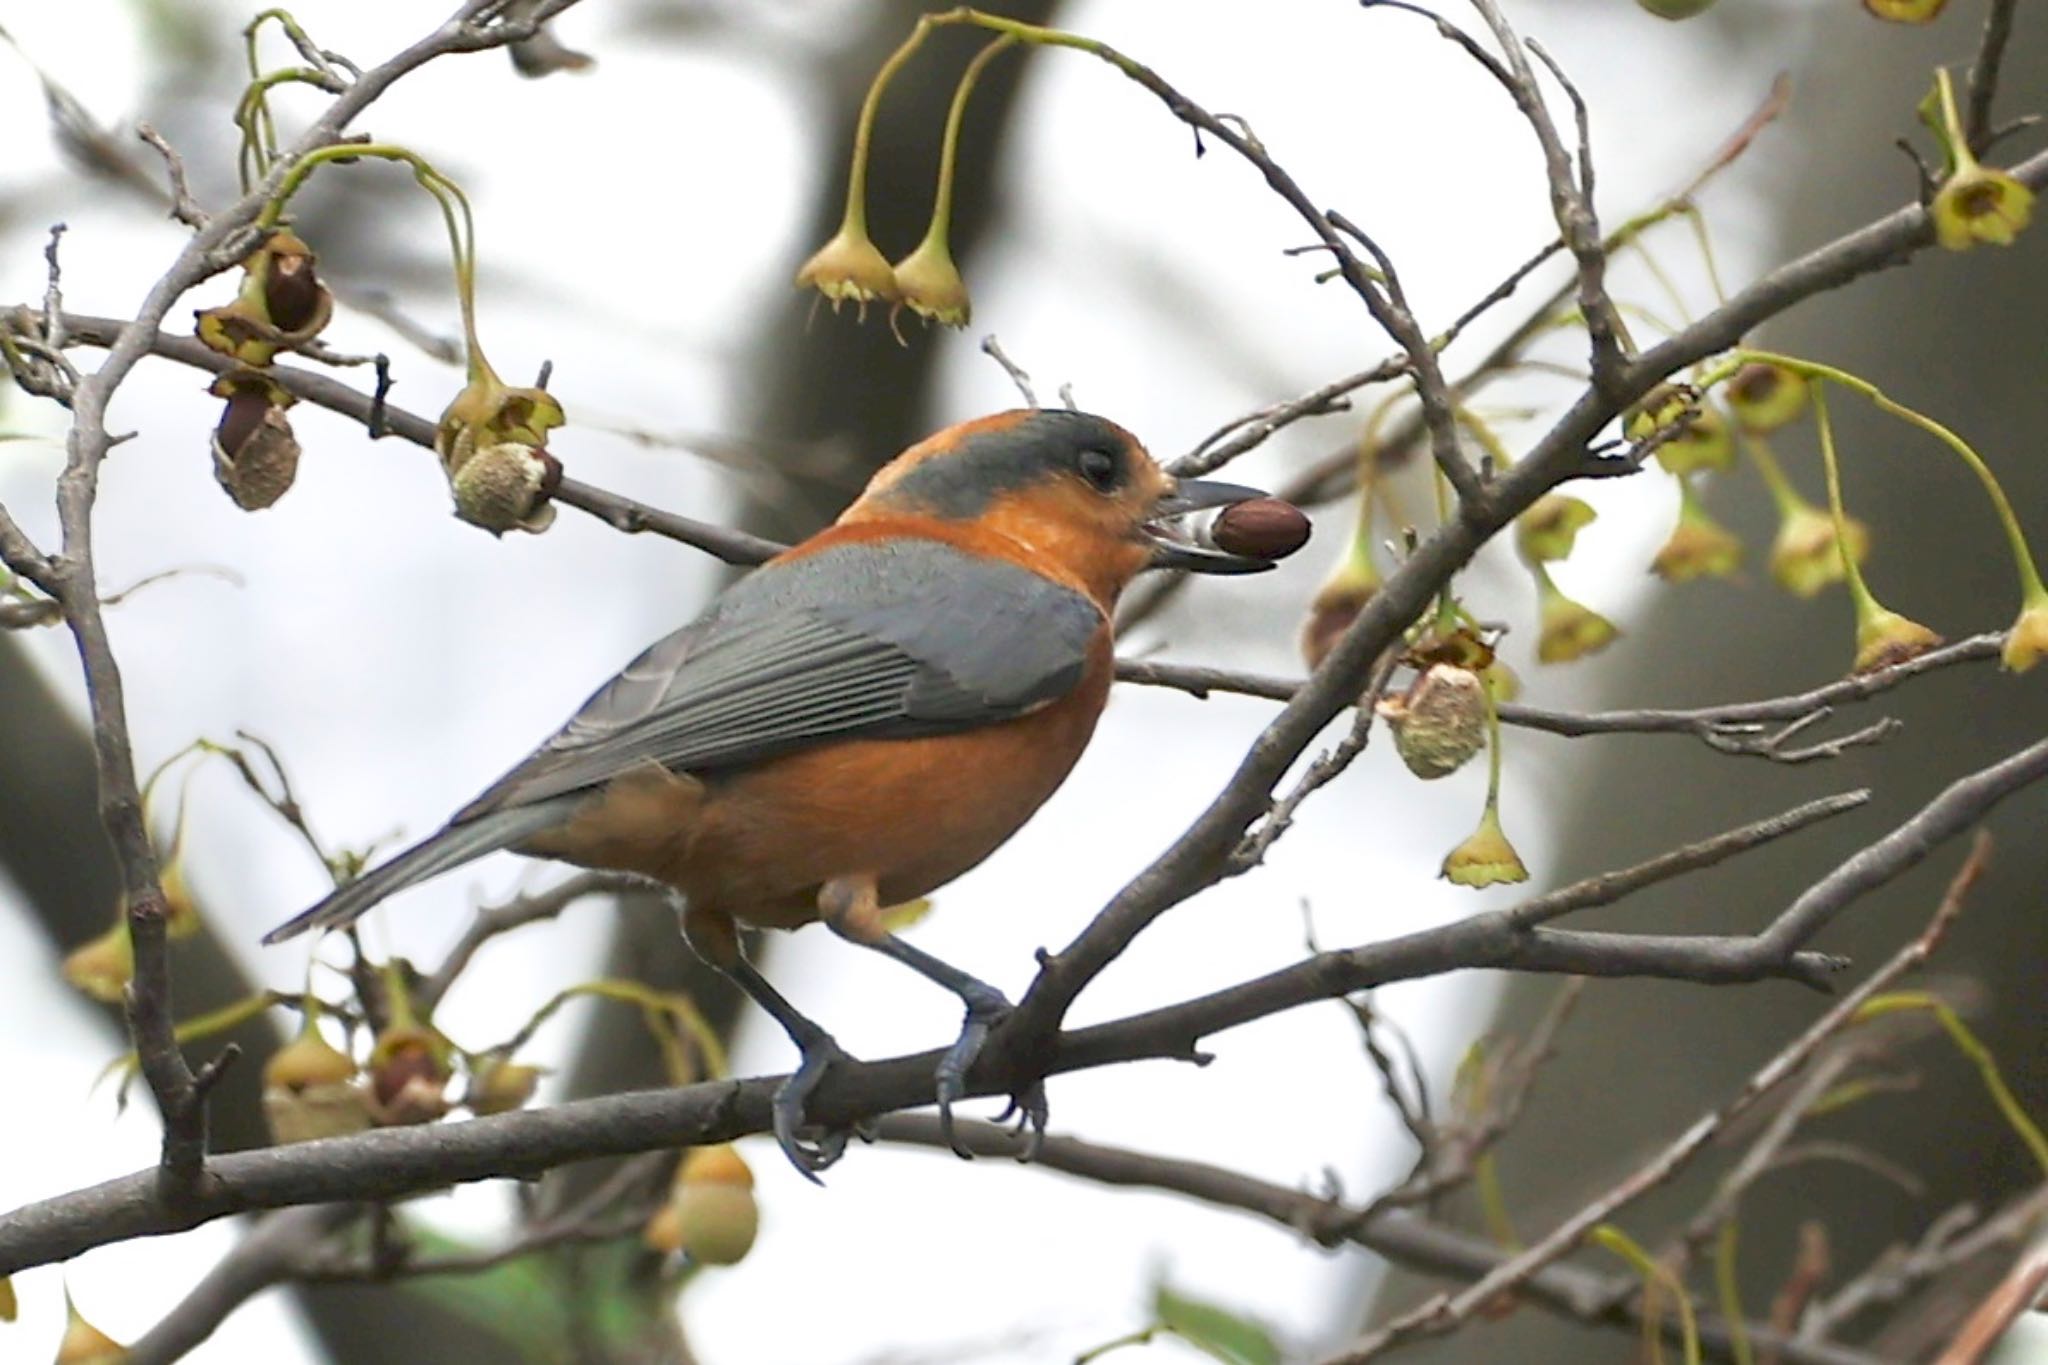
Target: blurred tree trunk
831 402
1960 337
53 848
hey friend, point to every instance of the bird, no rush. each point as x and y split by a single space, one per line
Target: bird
857 721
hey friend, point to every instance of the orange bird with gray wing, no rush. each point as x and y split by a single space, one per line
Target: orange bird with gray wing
858 721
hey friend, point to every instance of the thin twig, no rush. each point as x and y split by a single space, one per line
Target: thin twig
491 921
1244 434
1326 768
1451 1156
1608 887
1019 376
1802 1282
184 208
1978 133
1953 1239
1444 1312
1571 198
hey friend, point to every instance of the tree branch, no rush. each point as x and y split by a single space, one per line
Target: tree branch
1405 1238
1445 1312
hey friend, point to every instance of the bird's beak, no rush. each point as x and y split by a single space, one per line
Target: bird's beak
1173 548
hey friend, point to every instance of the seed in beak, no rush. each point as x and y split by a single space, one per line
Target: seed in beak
1261 528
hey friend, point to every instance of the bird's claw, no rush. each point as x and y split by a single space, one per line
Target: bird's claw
809 1154
984 1012
1029 1107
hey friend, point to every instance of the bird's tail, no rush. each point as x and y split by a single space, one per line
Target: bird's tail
451 848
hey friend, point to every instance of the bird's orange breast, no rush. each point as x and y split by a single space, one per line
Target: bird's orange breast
755 844
914 813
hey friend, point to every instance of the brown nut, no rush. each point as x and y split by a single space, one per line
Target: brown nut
1261 528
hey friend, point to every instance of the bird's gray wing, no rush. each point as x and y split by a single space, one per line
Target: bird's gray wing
872 639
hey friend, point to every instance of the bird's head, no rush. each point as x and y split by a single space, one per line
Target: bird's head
1072 487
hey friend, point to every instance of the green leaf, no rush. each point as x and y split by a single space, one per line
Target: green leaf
1222 1333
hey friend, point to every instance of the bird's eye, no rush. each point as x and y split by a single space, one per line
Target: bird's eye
1100 468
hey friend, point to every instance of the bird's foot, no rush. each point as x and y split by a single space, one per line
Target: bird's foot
986 1008
809 1147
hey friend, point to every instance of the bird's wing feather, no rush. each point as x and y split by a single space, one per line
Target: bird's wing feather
863 639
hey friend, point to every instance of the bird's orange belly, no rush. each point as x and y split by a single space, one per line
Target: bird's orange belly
913 813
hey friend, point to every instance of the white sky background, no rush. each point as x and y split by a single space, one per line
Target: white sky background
399 659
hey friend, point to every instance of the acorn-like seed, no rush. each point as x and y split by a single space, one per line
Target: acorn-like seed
1261 528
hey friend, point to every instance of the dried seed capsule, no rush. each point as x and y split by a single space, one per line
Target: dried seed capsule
255 455
408 1076
1440 722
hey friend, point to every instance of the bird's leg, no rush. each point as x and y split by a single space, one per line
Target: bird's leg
717 942
852 908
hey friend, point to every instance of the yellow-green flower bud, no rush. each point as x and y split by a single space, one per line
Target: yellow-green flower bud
1703 442
1550 528
1884 638
850 267
1980 204
1765 397
103 968
1568 630
1906 11
310 1090
1676 9
239 331
2027 641
1699 547
499 1085
930 285
85 1344
1485 858
1804 558
1339 600
181 909
308 1059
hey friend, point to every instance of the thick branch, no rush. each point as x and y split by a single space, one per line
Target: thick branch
392 1162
